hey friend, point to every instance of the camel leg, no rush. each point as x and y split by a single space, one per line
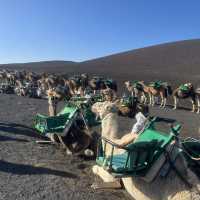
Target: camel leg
175 103
165 101
193 106
153 100
142 99
162 101
198 105
150 100
61 141
68 151
145 100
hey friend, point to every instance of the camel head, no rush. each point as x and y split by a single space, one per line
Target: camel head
108 94
104 108
127 84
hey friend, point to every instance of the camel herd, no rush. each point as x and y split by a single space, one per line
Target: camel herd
148 93
27 83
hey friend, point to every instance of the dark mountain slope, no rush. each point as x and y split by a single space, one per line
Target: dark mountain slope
175 62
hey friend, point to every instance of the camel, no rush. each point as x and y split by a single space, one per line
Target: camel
11 78
129 106
183 92
136 89
161 90
76 140
99 83
55 95
152 186
77 83
3 77
20 88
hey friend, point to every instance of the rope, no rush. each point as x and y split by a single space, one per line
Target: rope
188 154
185 150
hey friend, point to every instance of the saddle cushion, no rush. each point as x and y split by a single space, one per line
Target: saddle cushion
184 88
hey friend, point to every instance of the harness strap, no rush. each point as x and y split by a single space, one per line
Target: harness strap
176 170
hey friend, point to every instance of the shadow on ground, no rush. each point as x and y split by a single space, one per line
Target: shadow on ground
18 129
22 169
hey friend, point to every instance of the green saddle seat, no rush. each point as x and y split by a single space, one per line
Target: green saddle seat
184 88
156 84
139 155
45 124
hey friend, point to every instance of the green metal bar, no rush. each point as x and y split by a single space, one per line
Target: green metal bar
128 156
111 158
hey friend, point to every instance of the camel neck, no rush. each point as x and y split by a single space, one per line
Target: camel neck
107 116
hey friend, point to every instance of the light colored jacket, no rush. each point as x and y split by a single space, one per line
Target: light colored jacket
140 123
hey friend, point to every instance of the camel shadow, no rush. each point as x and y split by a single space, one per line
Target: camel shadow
21 169
4 138
178 107
19 129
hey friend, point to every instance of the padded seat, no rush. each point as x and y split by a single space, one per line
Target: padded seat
139 155
45 124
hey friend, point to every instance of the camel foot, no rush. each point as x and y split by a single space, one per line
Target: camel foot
68 152
89 153
107 185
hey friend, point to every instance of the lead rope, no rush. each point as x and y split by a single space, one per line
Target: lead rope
186 152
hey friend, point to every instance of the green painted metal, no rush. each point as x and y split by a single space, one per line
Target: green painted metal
76 108
45 124
157 84
184 88
137 84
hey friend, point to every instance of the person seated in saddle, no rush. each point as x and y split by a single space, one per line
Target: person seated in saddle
138 127
108 180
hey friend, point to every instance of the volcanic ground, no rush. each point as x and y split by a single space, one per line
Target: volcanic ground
29 171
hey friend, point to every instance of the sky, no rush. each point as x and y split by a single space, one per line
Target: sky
78 30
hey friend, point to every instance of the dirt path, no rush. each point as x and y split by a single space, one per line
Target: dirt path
29 171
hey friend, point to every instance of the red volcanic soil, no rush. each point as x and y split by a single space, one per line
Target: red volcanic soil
30 171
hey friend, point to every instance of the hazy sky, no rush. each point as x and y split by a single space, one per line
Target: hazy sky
33 30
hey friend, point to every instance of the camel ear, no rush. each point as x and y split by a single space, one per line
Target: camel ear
112 108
